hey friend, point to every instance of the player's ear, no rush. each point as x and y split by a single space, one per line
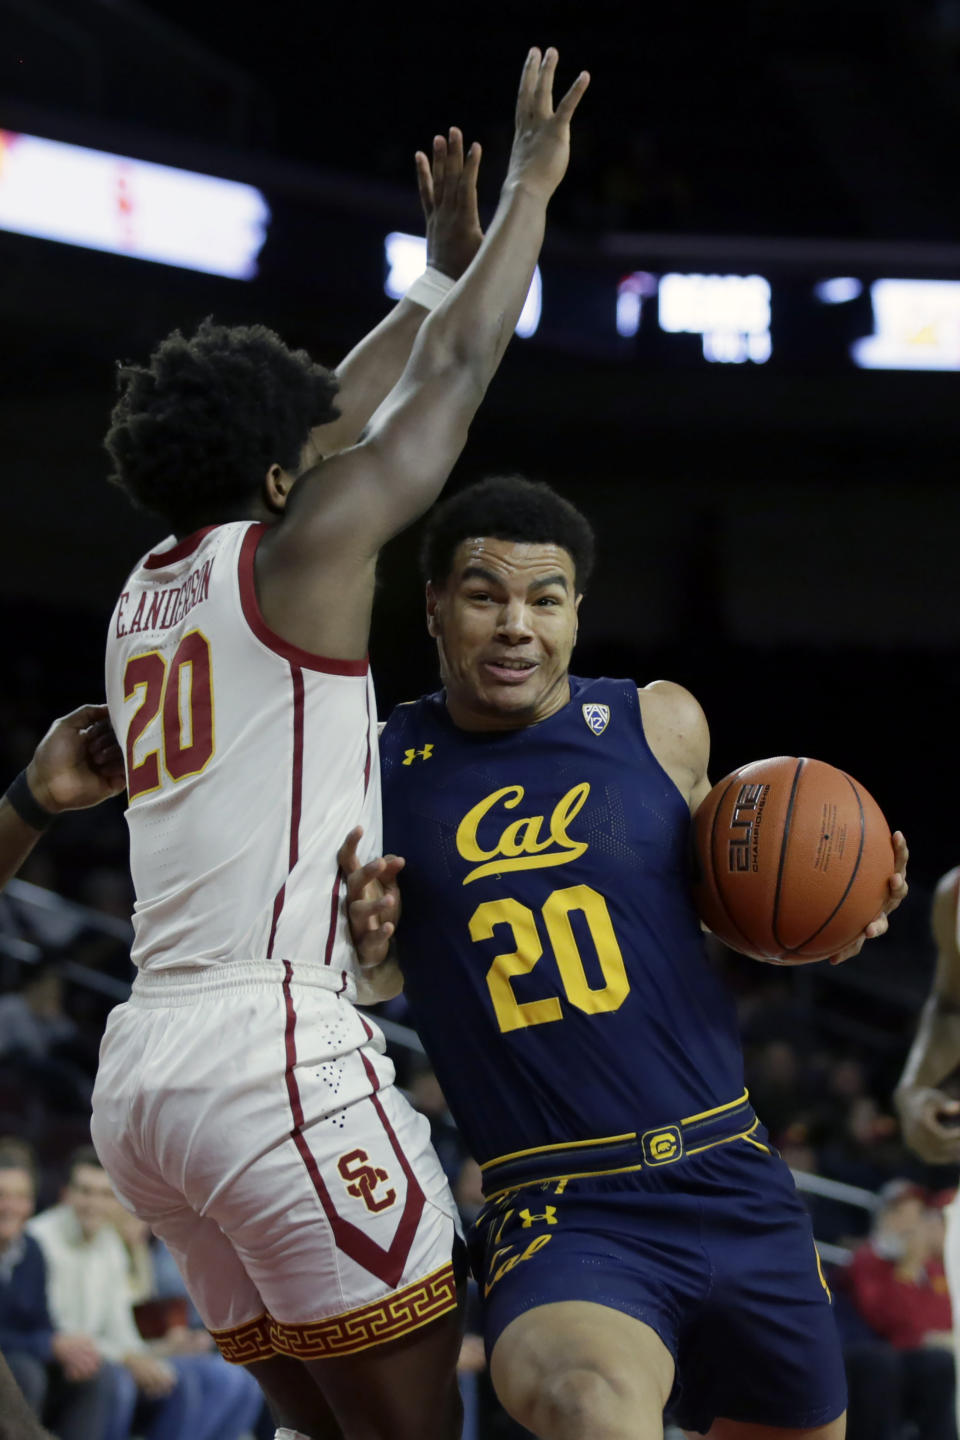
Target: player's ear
432 601
276 488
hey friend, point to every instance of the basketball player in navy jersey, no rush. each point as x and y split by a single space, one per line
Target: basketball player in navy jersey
641 1243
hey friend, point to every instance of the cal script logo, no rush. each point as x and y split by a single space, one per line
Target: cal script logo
522 844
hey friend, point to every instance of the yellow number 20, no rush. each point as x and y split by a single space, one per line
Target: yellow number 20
513 1014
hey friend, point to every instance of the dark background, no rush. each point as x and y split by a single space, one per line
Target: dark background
781 539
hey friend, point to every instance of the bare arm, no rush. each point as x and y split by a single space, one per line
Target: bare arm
315 567
677 732
448 193
925 1110
77 764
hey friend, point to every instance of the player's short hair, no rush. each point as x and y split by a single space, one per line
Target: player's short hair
506 507
195 430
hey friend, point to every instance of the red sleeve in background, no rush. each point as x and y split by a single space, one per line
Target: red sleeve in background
898 1309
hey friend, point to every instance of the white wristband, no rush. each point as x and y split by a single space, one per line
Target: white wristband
430 288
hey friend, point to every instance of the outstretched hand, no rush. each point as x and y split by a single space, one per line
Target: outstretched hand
448 194
897 893
373 900
541 140
77 763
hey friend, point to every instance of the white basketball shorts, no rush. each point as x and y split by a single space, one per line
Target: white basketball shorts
248 1115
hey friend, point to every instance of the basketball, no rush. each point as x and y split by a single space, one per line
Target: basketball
792 859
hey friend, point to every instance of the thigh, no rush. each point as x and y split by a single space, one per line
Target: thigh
404 1390
762 1349
579 1369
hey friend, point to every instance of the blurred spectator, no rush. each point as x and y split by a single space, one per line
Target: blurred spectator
776 1085
59 1374
897 1287
230 1398
87 1280
46 1045
423 1089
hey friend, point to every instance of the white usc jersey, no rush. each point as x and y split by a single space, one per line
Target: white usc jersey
248 760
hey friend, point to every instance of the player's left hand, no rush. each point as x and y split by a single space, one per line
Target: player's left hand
373 900
77 763
897 894
448 194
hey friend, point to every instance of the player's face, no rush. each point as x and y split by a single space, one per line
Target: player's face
505 623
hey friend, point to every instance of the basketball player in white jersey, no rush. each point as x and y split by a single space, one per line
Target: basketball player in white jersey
927 1096
243 1107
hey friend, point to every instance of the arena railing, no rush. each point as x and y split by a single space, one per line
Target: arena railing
27 910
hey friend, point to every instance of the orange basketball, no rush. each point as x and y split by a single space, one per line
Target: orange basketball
792 860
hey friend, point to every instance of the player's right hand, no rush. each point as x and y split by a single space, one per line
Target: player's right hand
541 138
373 900
931 1123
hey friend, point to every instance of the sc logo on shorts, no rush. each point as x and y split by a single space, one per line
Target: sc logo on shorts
663 1145
362 1179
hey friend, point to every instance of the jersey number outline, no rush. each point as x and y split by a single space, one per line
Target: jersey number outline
162 687
514 1014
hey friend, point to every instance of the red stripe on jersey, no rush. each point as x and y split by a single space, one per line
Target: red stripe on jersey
296 800
334 911
252 614
161 558
387 1265
366 768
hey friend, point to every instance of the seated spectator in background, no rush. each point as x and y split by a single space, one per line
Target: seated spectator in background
60 1374
39 1036
87 1292
230 1400
897 1287
425 1095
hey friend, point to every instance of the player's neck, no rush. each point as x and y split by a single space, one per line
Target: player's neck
469 714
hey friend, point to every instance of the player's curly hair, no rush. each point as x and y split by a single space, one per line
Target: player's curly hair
506 507
196 429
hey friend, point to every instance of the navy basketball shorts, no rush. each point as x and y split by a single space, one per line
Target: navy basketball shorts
715 1253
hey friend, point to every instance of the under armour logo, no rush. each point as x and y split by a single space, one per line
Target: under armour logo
410 755
549 1216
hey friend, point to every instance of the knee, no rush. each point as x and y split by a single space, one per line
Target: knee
578 1402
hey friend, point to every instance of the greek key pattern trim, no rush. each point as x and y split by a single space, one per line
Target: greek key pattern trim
383 1320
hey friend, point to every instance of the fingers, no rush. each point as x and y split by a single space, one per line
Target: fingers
471 167
86 715
424 182
439 169
347 857
543 90
453 168
384 870
528 83
573 97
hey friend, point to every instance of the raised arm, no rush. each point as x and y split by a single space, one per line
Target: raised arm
448 194
315 567
77 764
931 1118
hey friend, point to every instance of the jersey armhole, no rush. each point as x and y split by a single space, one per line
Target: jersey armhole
633 699
250 605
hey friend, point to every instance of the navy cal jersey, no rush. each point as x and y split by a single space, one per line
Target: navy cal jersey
550 950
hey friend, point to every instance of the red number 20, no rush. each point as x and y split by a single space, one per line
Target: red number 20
162 687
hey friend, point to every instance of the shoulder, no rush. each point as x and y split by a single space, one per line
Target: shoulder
669 705
943 912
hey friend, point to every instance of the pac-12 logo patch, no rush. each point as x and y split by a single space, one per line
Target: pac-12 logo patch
597 717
